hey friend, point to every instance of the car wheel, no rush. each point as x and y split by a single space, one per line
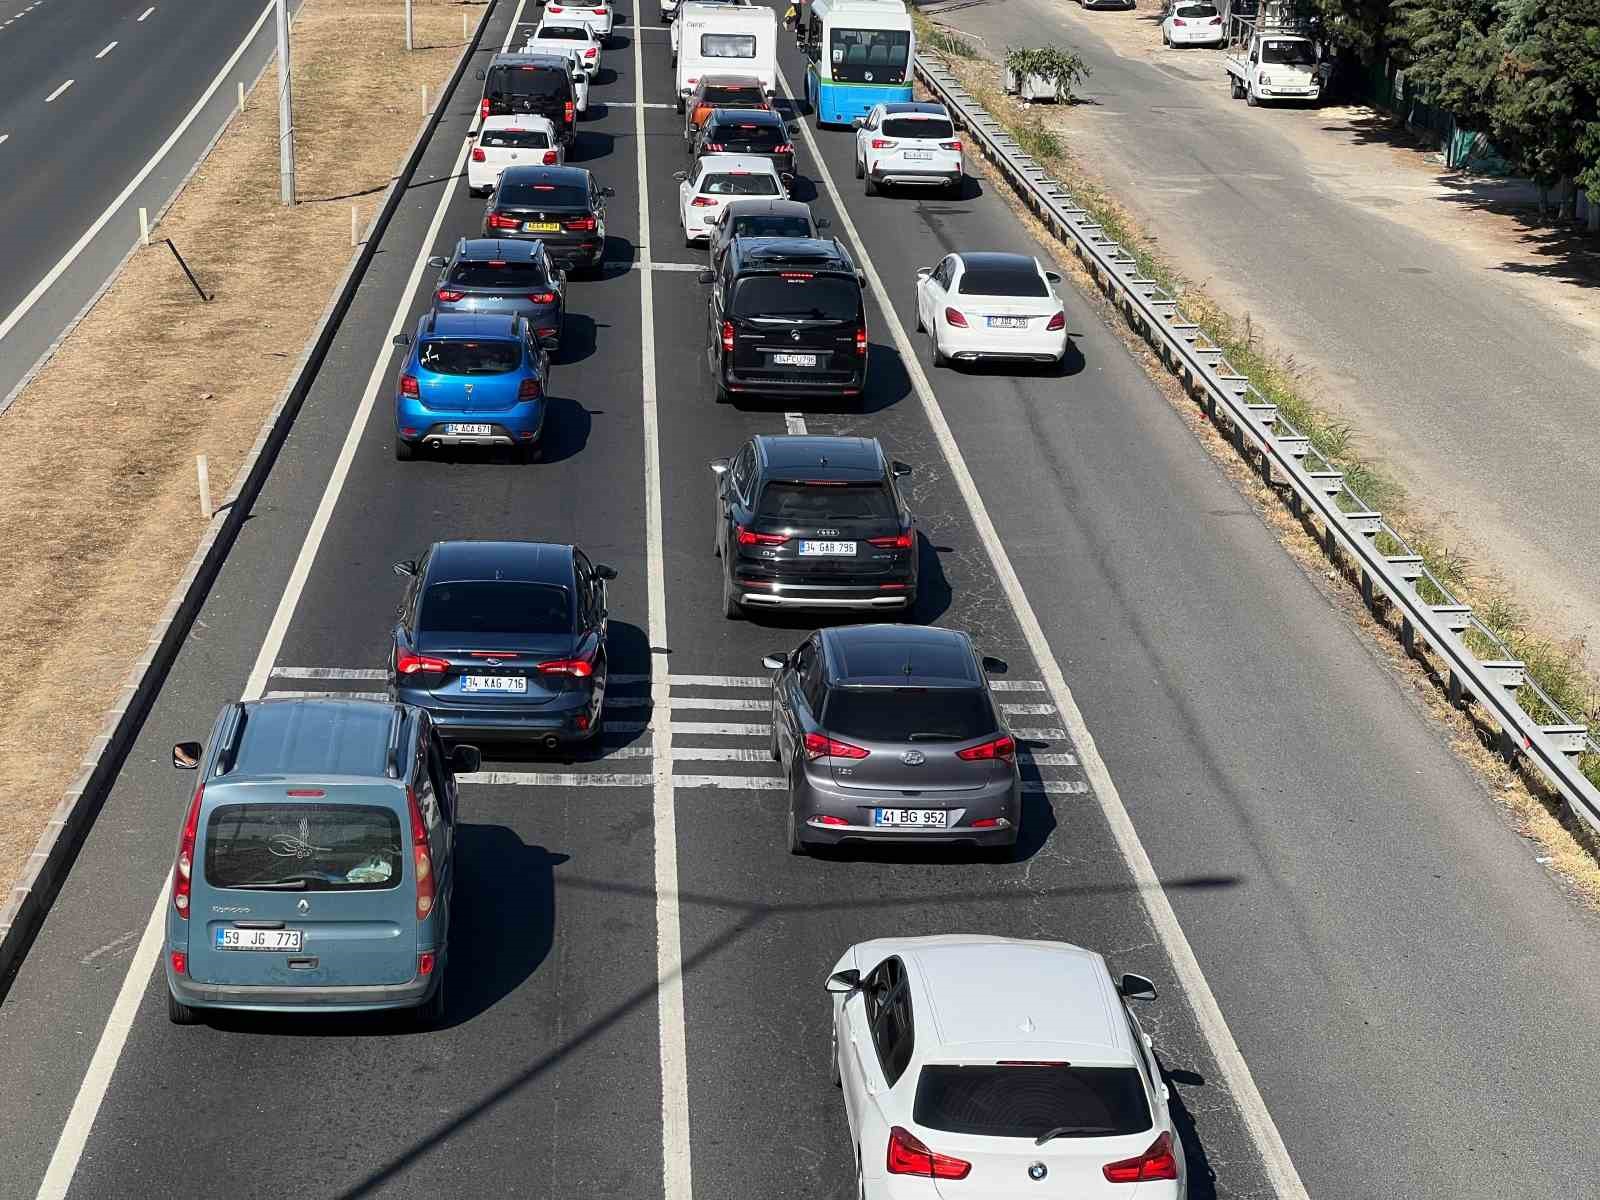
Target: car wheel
430 1013
860 170
772 742
1250 96
722 395
871 187
833 1057
679 105
180 1013
731 607
404 451
796 845
939 360
531 454
921 328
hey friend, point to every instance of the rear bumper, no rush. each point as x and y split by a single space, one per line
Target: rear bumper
779 594
557 718
304 999
1199 37
1288 93
503 430
564 253
765 383
819 796
1018 346
933 175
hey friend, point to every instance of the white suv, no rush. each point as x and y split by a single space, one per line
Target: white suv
1002 1063
908 143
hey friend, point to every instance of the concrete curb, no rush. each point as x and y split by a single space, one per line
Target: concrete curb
30 898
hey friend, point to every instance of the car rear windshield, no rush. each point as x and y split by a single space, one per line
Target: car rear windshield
1197 10
909 714
725 95
763 135
460 357
496 606
771 225
812 503
498 274
543 195
748 183
1027 1101
727 45
1002 281
918 127
801 295
538 83
515 139
303 847
571 33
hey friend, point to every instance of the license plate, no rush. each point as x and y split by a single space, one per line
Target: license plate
258 939
919 155
541 227
466 429
1008 322
494 683
911 818
794 360
810 549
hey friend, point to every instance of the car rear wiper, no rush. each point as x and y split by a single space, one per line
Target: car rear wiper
1077 1130
282 885
936 736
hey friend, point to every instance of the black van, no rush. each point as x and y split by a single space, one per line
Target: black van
786 317
531 83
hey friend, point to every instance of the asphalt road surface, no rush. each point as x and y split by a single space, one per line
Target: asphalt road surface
1411 993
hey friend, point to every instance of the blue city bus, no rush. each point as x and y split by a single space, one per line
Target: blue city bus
860 55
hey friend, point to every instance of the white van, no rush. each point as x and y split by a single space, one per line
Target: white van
722 39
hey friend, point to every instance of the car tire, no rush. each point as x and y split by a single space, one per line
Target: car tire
834 1077
861 171
921 328
180 1013
939 359
404 451
871 186
1250 96
531 454
731 608
679 105
797 845
772 743
430 1013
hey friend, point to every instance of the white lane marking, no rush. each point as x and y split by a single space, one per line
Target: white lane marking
752 783
4 138
275 694
329 673
109 48
59 90
1280 1167
677 1179
646 265
92 1090
795 423
1047 733
719 754
734 681
633 104
720 703
100 222
147 12
110 947
1028 710
1056 787
555 779
718 729
1049 759
1016 685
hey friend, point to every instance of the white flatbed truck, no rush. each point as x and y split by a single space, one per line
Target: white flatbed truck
1269 59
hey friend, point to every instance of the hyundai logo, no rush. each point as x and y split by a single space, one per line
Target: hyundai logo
1037 1171
303 907
913 758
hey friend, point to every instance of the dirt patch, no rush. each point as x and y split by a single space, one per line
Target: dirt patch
99 508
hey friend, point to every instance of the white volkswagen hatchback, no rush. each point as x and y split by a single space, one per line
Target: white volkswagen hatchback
719 179
976 306
991 1068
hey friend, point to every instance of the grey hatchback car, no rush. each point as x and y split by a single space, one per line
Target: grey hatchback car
315 863
890 733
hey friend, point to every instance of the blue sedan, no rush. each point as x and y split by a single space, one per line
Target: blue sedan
472 379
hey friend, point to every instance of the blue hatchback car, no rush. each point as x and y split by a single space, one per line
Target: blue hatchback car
472 379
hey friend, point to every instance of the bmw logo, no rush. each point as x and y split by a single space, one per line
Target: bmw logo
1037 1171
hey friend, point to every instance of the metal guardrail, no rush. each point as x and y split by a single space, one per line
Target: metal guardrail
1530 721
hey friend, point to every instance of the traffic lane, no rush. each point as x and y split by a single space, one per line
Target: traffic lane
1151 614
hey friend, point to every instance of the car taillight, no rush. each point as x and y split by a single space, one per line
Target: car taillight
955 145
1000 747
496 221
715 147
1179 21
425 962
749 537
448 296
529 389
579 225
953 316
727 337
1158 1162
417 664
549 158
783 148
542 298
180 962
483 107
820 745
861 341
908 1156
882 144
578 668
591 52
899 541
419 857
1059 321
567 111
1214 21
478 155
184 866
702 202
408 387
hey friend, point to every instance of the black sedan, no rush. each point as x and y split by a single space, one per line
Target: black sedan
748 132
561 206
504 640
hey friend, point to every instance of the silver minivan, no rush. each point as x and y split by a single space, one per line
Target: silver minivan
315 864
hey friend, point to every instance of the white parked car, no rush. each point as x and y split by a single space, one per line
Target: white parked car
718 179
987 305
509 141
571 34
1192 23
911 143
601 15
994 1067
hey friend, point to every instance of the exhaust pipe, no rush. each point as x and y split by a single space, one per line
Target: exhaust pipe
551 741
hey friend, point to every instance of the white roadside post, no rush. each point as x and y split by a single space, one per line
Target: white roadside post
241 95
408 25
144 227
203 471
355 231
285 110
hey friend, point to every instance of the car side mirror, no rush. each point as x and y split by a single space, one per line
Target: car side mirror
995 666
407 568
482 74
681 176
603 571
186 755
608 191
900 469
719 466
924 272
842 983
464 760
438 260
550 342
823 223
861 278
1053 276
708 277
1136 987
775 662
859 123
402 339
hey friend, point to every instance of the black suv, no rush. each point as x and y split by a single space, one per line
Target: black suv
531 83
786 317
814 522
752 132
563 207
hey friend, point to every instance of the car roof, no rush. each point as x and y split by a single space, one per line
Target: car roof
781 252
323 737
915 108
568 19
901 656
514 59
814 456
750 206
470 325
501 249
533 172
763 115
514 121
731 163
997 261
516 562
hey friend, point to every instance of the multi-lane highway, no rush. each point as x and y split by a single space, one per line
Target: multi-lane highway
104 107
636 1005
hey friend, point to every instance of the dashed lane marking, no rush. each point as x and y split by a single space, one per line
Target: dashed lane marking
147 12
59 90
109 48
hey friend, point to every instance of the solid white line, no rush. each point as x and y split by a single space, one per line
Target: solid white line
632 104
328 673
59 90
91 1092
288 695
109 48
558 779
795 423
734 681
1208 1013
718 729
77 247
148 11
677 1180
752 783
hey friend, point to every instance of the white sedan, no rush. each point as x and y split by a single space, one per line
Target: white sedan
520 139
1192 23
600 15
718 179
570 35
1014 1067
977 306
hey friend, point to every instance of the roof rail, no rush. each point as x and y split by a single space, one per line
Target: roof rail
391 766
232 735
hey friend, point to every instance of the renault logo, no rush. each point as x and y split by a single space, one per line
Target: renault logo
303 907
1037 1171
913 758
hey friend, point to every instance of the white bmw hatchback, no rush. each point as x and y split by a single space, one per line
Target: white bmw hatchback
991 1068
719 179
601 15
977 306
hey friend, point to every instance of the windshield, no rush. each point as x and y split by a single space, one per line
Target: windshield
932 128
869 55
909 714
761 135
303 847
814 503
1002 281
457 356
799 294
537 83
725 95
542 195
727 45
1287 52
1197 10
495 606
739 185
496 274
568 33
515 139
1026 1101
771 226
